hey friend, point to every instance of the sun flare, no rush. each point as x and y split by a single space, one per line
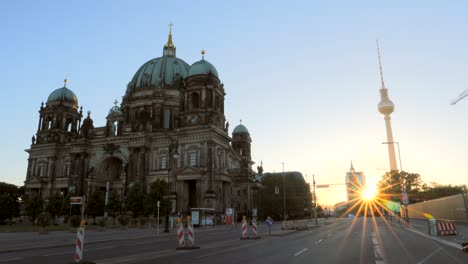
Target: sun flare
369 193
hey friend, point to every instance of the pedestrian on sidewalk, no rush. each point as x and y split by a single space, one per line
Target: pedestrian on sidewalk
269 223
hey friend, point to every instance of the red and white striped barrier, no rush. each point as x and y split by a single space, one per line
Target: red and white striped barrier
244 229
445 228
180 233
79 245
254 229
191 234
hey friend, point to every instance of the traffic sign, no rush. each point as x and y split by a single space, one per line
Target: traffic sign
404 198
76 200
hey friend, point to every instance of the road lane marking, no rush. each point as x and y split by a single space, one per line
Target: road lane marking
374 240
300 252
10 259
329 235
231 249
102 247
319 241
430 256
56 254
377 251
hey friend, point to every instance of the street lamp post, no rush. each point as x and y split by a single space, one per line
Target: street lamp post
284 196
403 181
315 200
173 155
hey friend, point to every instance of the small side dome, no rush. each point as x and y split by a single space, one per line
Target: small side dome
202 67
240 129
63 96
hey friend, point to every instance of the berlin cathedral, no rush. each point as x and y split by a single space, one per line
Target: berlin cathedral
170 125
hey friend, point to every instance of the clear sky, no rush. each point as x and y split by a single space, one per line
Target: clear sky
302 75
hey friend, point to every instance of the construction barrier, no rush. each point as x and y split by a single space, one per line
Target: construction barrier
244 229
254 229
445 228
191 235
180 233
79 245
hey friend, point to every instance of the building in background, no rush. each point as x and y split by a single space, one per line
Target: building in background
355 182
170 125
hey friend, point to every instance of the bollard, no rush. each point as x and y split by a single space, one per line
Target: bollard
244 228
254 229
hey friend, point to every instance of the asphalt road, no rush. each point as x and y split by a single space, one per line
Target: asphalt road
344 241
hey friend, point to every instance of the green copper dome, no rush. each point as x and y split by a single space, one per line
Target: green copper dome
240 129
63 96
160 71
202 67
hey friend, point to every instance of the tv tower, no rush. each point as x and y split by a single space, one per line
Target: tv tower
386 107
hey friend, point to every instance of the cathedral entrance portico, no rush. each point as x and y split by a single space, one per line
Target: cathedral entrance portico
110 170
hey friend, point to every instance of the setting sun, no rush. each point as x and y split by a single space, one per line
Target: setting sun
369 193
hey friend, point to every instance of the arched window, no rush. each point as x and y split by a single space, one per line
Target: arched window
195 100
163 162
193 158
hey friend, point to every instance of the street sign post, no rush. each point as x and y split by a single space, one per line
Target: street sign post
76 200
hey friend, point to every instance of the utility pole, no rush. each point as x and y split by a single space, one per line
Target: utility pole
315 200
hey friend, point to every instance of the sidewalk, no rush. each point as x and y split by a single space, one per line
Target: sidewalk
462 230
420 226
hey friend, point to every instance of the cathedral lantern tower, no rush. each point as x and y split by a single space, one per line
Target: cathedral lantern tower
203 98
59 120
241 141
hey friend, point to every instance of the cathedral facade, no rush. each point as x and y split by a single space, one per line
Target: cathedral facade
170 125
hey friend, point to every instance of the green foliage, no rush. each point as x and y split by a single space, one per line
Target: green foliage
43 219
54 206
34 206
438 191
114 205
9 201
298 196
392 182
102 221
135 201
95 205
157 193
123 219
143 220
75 221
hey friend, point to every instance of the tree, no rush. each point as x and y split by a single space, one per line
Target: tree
34 206
114 205
438 191
54 206
298 195
95 205
135 201
157 193
9 201
390 186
